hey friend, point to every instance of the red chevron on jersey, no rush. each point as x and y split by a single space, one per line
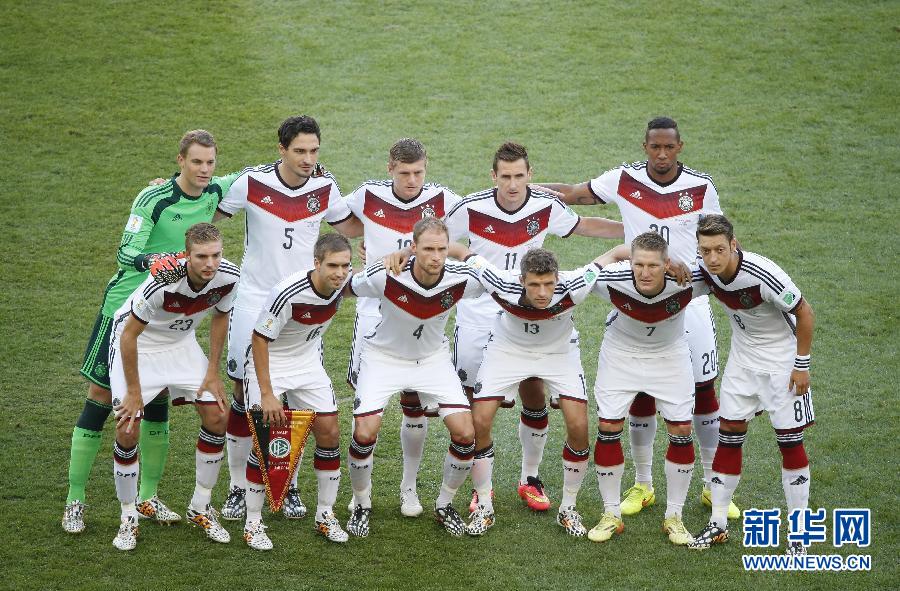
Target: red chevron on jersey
739 299
530 313
660 205
422 306
398 219
509 233
290 209
185 304
650 312
314 314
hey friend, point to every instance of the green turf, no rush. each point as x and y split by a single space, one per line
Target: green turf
787 104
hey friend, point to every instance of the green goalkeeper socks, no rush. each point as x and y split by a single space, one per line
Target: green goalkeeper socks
154 446
86 439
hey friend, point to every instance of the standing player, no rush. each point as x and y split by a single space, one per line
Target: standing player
408 351
768 369
663 195
502 224
155 347
287 360
535 337
388 211
160 215
644 349
285 203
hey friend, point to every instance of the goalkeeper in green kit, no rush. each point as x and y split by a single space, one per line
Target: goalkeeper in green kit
159 218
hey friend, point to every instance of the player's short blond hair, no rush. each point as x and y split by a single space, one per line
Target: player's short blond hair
407 151
196 136
651 241
202 233
715 225
329 243
429 224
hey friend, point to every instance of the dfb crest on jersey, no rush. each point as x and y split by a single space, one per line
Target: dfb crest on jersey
446 300
746 300
313 204
685 202
428 211
673 306
214 298
532 227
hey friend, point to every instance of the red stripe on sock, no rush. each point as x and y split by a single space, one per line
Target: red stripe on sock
608 454
794 457
254 475
209 448
705 402
326 465
728 460
569 456
238 424
680 454
643 406
540 423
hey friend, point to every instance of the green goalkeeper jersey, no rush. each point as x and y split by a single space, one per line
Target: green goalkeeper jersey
160 215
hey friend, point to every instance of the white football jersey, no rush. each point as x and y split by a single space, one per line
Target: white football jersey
673 210
503 237
282 226
172 311
760 300
644 326
293 320
538 330
388 220
413 317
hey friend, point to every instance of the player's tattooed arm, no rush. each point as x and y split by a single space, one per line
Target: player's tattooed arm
806 321
570 194
599 228
273 411
131 406
212 381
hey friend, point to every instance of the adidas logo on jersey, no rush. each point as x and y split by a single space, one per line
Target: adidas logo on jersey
175 304
176 217
490 230
716 480
267 200
403 299
635 195
800 480
379 213
307 315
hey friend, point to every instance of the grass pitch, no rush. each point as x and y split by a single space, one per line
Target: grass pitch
791 107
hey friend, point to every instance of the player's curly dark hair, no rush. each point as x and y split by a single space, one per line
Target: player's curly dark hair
196 136
329 243
294 126
715 225
662 123
651 241
539 261
202 233
429 224
407 150
511 152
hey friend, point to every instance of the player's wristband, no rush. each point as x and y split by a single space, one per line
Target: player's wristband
801 362
141 263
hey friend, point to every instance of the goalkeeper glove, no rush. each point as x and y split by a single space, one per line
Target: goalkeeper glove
165 266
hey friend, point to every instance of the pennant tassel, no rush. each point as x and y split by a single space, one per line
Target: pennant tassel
279 450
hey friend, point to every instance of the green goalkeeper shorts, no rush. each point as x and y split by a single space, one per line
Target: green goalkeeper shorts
96 357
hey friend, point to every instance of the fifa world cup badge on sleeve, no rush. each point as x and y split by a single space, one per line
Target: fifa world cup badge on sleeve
279 450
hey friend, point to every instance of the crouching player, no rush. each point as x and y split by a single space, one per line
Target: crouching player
768 369
154 347
644 349
534 338
287 360
408 351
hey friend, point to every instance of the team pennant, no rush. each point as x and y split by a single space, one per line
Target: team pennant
279 450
